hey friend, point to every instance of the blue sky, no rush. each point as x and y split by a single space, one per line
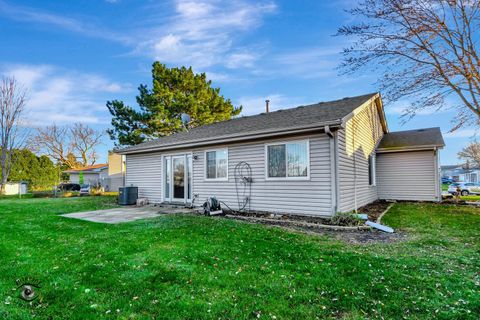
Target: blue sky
73 56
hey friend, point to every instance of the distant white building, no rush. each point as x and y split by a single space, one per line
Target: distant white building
13 188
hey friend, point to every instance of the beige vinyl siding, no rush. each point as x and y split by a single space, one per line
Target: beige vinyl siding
145 172
311 196
355 144
407 176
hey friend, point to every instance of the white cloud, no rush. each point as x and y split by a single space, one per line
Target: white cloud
256 104
200 34
218 76
240 60
61 96
193 8
203 33
303 63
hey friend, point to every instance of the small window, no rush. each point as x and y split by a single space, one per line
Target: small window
473 177
287 160
217 164
371 170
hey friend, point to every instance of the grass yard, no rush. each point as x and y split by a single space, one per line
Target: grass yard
193 267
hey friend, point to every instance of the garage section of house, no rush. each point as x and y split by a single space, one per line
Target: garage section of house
407 165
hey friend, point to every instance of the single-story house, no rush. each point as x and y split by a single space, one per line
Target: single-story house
461 173
110 176
94 175
317 159
451 171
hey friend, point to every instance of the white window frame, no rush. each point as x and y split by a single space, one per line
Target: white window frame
205 165
267 178
171 156
373 161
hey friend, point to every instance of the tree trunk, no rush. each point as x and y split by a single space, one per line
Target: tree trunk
3 185
3 181
4 175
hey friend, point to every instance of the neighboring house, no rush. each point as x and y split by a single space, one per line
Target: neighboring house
470 175
116 171
94 175
318 160
110 176
451 171
459 173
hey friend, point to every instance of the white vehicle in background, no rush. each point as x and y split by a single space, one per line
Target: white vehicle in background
465 187
85 190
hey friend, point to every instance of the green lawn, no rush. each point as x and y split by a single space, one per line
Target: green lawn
194 267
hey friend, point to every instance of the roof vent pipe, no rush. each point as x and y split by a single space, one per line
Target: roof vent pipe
267 106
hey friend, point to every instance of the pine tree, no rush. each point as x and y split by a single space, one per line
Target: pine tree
178 100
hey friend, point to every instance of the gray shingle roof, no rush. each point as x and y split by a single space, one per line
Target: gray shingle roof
411 139
318 115
450 166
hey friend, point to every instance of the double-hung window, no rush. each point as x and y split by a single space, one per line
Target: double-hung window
289 160
216 167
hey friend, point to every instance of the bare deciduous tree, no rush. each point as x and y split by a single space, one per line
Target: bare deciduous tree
425 49
471 154
73 146
84 140
12 106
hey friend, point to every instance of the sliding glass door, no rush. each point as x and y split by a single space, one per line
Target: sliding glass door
178 178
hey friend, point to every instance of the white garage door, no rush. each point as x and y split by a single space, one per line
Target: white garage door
407 176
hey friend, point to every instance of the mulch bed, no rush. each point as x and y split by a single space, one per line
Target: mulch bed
286 217
360 234
374 209
359 237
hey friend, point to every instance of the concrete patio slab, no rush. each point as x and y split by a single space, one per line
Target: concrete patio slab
124 214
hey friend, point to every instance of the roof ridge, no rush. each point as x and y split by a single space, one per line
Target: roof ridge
242 117
315 114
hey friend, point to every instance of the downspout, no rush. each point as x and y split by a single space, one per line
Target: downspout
333 168
438 187
328 131
354 167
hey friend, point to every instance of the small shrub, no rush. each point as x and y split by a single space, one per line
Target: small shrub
346 219
96 191
70 194
42 194
110 193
